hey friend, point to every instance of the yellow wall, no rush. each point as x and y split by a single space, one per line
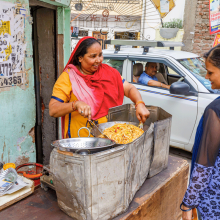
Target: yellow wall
178 38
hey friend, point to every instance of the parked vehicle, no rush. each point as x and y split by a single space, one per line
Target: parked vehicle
189 93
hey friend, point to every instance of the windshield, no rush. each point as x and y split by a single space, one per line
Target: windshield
197 67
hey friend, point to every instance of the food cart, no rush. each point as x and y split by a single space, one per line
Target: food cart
138 180
102 184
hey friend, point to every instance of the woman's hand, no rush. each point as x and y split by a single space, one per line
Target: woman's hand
132 93
186 215
83 109
142 113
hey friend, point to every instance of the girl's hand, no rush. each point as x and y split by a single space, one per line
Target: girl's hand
142 113
83 109
187 215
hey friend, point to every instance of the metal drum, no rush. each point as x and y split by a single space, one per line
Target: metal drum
100 186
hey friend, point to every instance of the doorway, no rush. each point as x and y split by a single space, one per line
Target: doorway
44 56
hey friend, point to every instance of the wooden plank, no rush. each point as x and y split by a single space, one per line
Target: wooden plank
40 205
65 153
10 199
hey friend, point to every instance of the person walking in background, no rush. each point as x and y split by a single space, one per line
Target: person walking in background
203 191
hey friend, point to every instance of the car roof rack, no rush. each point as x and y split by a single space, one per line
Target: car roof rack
144 43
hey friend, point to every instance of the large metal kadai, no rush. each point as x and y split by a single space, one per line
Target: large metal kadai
83 145
101 185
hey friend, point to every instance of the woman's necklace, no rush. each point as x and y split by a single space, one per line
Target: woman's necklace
82 71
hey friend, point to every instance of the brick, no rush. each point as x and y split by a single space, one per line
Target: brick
197 41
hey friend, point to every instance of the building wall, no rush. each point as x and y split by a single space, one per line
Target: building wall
146 24
153 21
202 39
177 12
177 38
17 100
197 38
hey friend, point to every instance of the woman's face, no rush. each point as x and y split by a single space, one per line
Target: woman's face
92 59
213 75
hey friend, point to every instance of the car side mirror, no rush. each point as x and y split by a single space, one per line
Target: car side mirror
179 88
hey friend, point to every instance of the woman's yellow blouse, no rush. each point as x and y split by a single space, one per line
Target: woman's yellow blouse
62 92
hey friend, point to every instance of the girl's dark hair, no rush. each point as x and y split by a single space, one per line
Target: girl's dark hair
213 56
82 49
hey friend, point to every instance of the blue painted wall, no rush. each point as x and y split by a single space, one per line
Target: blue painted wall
17 104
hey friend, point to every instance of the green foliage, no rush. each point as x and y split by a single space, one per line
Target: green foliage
175 23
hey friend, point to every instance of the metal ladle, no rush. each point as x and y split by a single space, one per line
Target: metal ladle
90 131
99 130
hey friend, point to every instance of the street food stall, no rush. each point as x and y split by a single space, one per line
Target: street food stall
100 182
116 181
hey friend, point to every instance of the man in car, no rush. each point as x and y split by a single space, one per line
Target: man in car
148 76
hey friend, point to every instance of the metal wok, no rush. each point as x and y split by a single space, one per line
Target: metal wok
84 145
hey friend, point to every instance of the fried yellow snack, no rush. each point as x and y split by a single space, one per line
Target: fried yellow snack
123 133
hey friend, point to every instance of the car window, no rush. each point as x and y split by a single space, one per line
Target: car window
197 67
172 76
117 64
138 69
172 72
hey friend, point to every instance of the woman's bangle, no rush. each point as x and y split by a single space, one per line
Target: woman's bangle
137 103
187 210
161 85
73 105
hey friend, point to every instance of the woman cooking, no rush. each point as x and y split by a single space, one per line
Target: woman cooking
87 89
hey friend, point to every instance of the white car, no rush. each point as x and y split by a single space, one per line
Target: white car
186 99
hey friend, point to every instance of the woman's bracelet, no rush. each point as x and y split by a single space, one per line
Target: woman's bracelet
73 105
187 210
139 102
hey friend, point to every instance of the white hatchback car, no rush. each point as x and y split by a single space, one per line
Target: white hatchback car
187 97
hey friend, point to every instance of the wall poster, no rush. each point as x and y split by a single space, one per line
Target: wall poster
164 6
214 16
12 45
217 40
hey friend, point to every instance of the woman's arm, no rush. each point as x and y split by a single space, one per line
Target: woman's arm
199 181
59 109
132 93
